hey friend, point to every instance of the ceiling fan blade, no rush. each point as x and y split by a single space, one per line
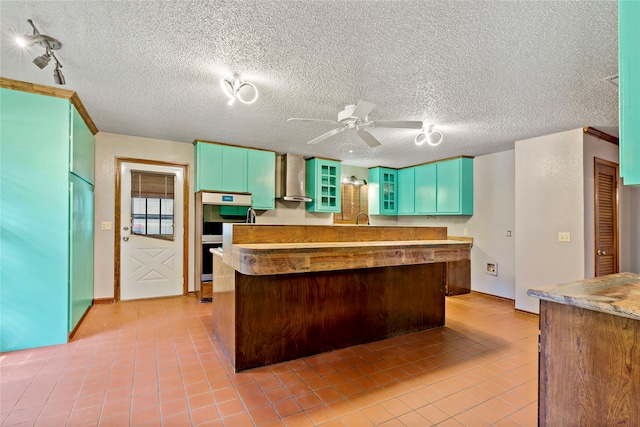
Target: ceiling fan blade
404 124
297 119
326 135
363 109
368 138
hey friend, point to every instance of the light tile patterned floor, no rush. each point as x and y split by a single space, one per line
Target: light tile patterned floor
155 363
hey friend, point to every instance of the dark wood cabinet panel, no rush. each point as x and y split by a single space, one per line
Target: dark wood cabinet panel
589 367
458 277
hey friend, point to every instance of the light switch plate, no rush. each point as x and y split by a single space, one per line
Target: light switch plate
105 225
564 237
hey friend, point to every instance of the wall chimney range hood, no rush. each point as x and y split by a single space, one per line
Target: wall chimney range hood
291 178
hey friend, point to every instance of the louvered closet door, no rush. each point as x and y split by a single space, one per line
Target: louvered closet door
606 215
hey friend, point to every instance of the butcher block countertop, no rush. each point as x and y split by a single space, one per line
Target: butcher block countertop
617 294
266 250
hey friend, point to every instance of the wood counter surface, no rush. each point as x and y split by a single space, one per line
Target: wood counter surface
287 258
617 294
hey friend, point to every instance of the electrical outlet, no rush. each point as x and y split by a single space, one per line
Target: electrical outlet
508 233
564 237
465 231
105 225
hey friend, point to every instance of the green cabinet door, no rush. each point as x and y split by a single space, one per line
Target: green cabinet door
208 167
426 189
448 182
406 191
323 185
261 178
34 224
81 249
629 90
455 187
384 194
82 148
234 169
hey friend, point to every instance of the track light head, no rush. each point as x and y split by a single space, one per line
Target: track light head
57 75
42 60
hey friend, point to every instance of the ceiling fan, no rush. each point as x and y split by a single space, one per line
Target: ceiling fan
356 117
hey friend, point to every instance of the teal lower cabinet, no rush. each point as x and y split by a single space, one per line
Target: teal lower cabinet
383 195
629 90
406 193
455 187
46 220
426 189
323 185
233 211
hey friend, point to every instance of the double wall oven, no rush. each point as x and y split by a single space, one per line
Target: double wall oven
212 210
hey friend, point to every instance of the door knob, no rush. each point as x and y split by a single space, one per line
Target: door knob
125 238
601 252
125 228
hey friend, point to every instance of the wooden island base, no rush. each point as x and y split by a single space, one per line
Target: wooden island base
260 319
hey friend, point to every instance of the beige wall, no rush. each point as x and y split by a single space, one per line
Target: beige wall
108 147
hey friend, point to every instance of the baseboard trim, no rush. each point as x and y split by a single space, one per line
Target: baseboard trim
103 301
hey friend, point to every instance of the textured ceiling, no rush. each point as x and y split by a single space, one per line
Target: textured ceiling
485 73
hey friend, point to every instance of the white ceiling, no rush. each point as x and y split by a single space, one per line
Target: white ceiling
485 73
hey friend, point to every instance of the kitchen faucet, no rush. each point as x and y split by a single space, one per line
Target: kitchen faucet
251 216
362 213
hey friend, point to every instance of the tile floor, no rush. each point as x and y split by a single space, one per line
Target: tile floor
154 363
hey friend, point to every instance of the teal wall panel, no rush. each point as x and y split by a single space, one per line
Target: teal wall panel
34 215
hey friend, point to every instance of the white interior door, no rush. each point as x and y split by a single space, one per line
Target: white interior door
151 250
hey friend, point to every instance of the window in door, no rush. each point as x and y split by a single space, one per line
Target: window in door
152 196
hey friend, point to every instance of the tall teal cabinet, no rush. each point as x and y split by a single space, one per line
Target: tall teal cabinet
46 218
629 90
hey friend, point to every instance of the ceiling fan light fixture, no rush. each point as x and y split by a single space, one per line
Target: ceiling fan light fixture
232 88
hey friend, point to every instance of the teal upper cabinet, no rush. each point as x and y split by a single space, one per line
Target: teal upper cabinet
454 187
208 166
629 90
47 221
234 169
406 195
261 181
426 189
383 196
82 148
229 168
323 185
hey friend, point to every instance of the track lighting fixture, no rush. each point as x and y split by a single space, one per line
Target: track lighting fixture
430 136
50 44
232 88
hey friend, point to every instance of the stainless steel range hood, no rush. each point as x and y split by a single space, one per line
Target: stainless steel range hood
291 178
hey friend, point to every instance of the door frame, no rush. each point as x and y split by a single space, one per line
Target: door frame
118 228
616 166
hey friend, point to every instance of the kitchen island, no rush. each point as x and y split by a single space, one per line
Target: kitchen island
590 352
282 292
